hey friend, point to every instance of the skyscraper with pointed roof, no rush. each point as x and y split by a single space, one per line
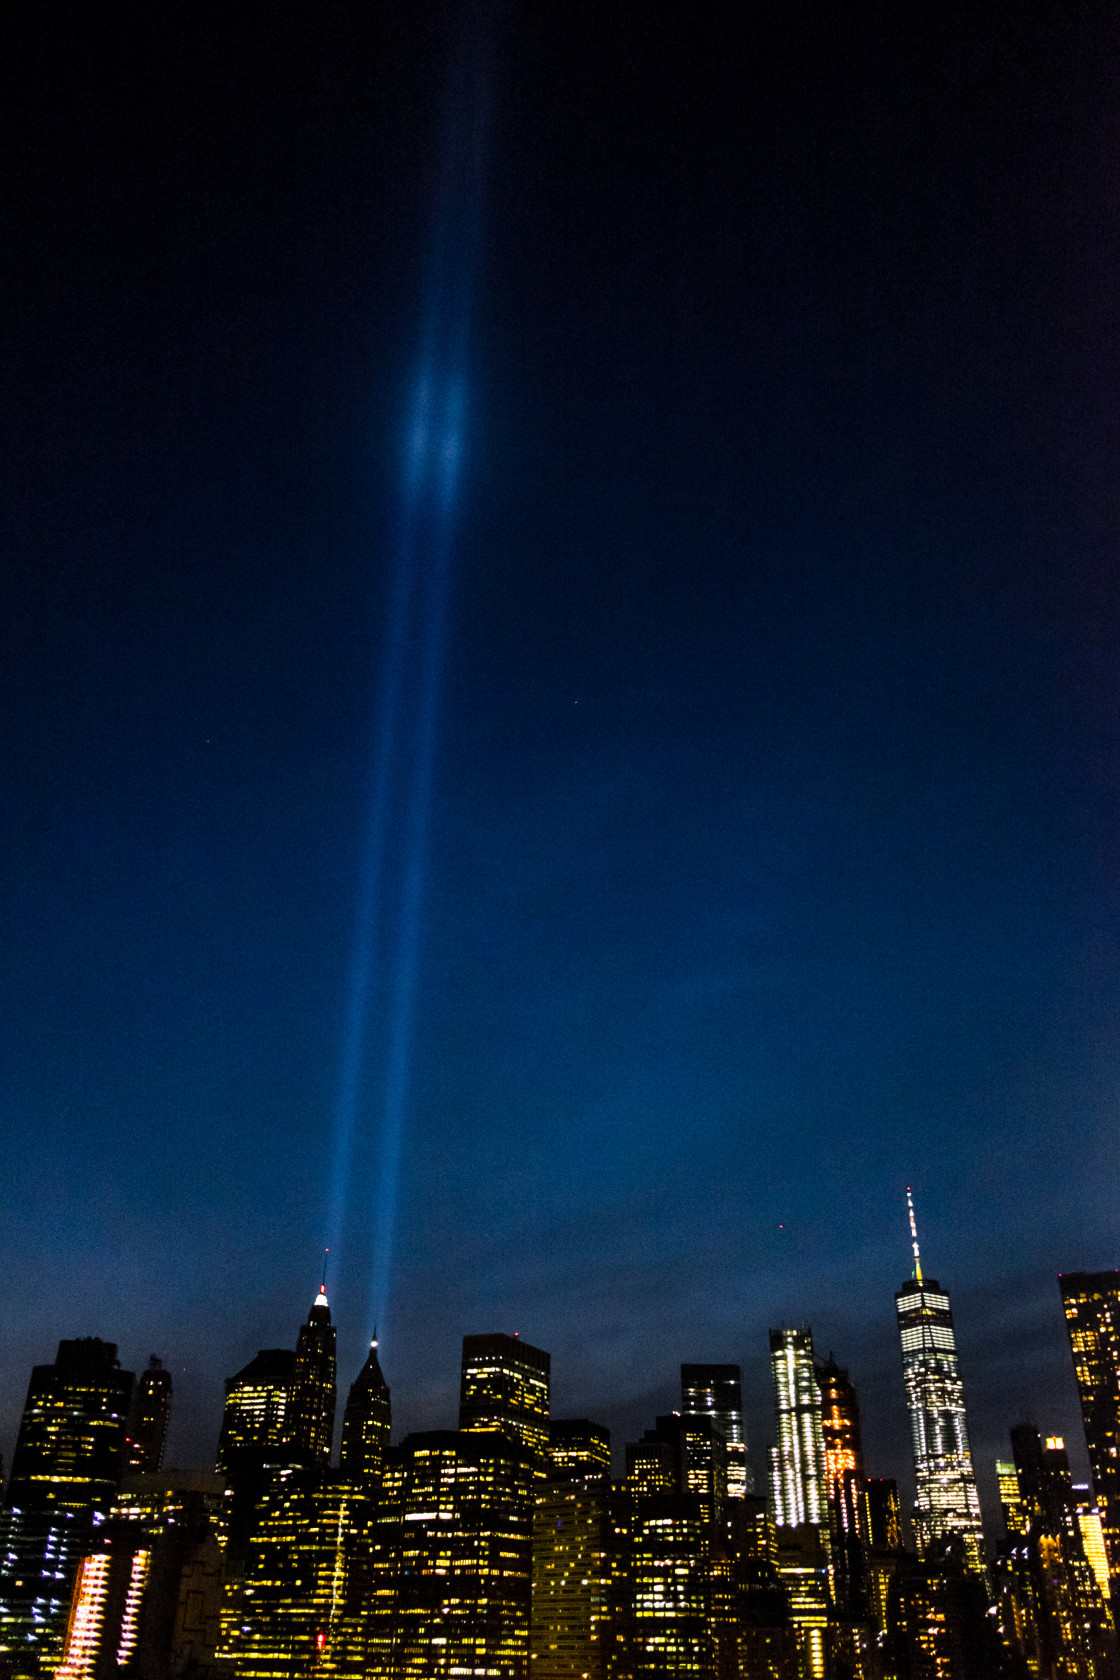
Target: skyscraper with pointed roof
366 1423
311 1419
946 1501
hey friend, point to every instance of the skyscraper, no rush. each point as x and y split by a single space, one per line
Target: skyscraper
311 1421
578 1563
451 1578
800 1495
797 1462
947 1501
148 1595
845 1484
254 1440
256 1415
67 1464
1092 1307
1010 1498
679 1455
504 1387
715 1392
671 1539
882 1528
148 1417
366 1424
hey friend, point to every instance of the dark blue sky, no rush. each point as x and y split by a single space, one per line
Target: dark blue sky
773 861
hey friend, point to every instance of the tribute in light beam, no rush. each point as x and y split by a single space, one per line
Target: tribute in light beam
387 935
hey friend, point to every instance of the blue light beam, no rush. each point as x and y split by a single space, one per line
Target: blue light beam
413 660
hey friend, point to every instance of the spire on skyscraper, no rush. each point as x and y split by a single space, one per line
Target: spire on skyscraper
914 1236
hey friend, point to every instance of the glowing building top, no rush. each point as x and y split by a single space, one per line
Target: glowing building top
947 1501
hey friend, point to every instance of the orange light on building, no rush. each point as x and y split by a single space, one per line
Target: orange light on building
87 1614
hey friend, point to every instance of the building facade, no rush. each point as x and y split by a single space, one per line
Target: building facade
845 1485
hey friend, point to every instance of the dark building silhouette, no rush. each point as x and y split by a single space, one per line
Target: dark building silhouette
310 1427
148 1417
715 1392
754 1637
578 1448
938 1622
882 1528
504 1387
1092 1308
65 1472
366 1424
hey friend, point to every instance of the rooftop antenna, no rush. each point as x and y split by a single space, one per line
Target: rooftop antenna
914 1236
323 1285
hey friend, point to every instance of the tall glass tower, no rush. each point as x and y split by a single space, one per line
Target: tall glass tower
947 1501
797 1462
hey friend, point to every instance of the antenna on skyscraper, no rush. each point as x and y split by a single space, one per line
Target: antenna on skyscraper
323 1288
914 1236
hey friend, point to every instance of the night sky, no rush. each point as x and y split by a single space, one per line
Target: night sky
773 849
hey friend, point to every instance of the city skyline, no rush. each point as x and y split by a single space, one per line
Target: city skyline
437 1414
744 745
